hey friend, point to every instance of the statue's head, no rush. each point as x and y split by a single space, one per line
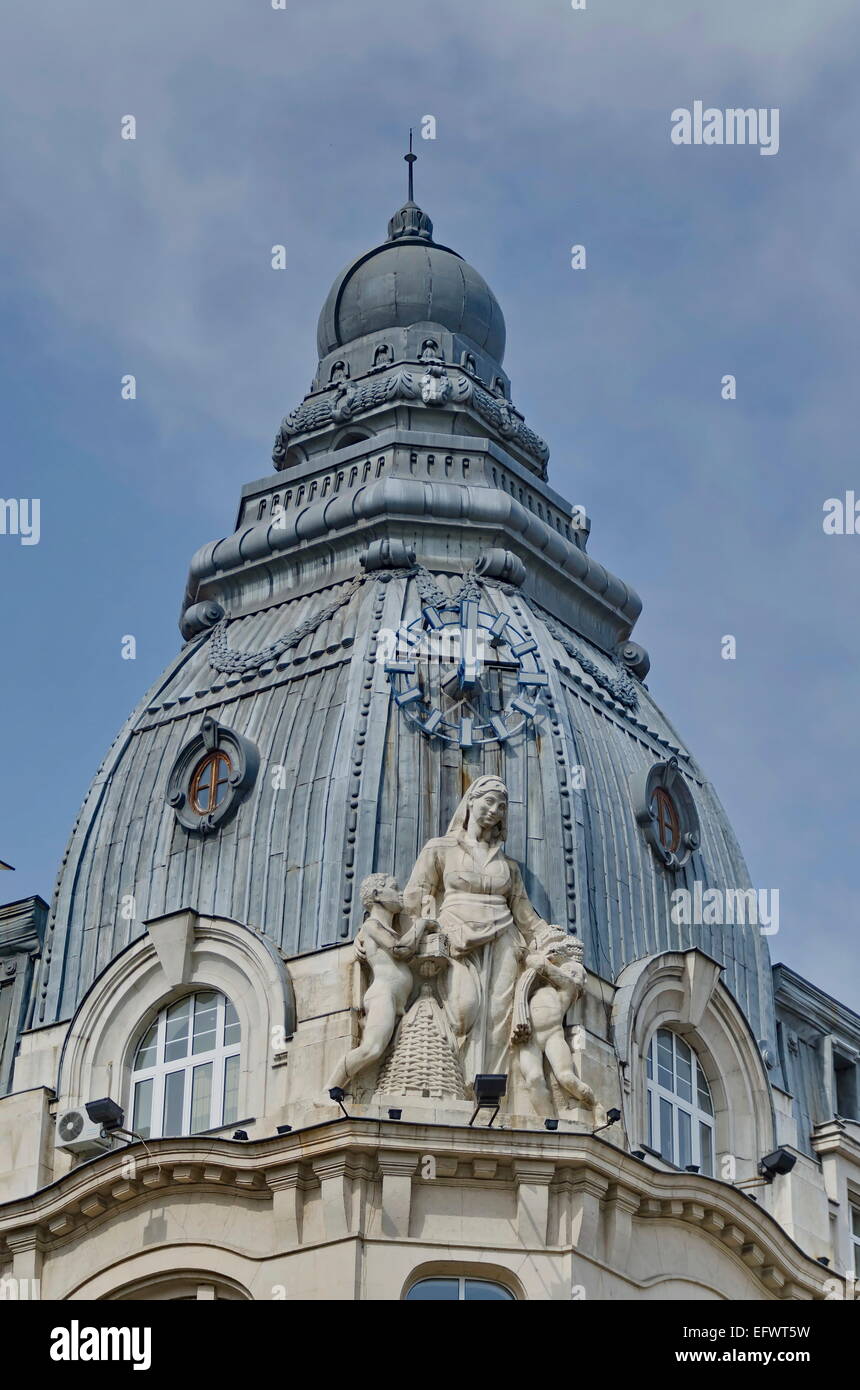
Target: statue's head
381 889
487 806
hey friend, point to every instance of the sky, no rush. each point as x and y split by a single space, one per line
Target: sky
258 127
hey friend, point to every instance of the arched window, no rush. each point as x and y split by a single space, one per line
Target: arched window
680 1109
185 1077
458 1290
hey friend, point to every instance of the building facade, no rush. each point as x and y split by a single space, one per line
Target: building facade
370 939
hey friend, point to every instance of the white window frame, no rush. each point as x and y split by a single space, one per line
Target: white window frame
854 1232
655 1092
158 1073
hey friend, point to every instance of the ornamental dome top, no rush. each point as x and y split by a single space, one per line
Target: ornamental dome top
411 279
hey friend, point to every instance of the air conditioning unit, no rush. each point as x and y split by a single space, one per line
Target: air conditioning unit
78 1134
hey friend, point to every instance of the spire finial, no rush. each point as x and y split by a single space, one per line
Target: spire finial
410 160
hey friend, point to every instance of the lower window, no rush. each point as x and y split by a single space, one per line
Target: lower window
457 1290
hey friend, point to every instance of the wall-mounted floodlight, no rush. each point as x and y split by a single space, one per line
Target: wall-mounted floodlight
105 1113
337 1094
550 1124
773 1165
777 1164
612 1118
395 1114
488 1090
284 1129
239 1134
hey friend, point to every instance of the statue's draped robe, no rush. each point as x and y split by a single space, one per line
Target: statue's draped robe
484 909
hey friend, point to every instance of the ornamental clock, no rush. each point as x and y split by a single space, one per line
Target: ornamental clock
466 675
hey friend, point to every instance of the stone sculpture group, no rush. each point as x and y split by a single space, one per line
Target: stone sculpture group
504 978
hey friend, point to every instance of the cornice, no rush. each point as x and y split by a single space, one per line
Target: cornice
812 1005
94 1191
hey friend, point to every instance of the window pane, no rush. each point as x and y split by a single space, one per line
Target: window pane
706 1145
702 1091
231 1024
435 1290
174 1094
685 1139
482 1291
176 1035
231 1091
855 1221
665 1071
205 1020
146 1053
667 1148
142 1113
201 1098
222 768
684 1069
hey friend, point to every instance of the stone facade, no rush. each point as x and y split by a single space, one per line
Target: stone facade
405 668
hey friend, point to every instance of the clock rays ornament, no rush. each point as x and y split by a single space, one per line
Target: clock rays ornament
467 675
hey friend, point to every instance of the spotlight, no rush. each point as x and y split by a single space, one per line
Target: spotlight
691 1167
550 1124
285 1129
824 1260
773 1165
612 1118
240 1134
395 1114
488 1090
638 1153
776 1164
105 1113
337 1094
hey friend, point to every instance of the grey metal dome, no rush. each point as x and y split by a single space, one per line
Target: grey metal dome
411 279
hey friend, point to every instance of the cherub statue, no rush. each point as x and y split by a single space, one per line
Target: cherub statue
386 949
553 979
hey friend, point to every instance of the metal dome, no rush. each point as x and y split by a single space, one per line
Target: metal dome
411 279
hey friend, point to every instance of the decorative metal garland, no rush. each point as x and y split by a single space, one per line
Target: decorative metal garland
222 659
621 688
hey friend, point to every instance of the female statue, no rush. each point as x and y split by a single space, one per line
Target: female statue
476 894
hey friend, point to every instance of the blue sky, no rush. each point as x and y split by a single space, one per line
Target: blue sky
257 127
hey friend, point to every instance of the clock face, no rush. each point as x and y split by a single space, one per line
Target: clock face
466 676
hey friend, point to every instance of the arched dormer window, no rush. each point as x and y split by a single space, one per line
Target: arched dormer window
680 1108
185 1075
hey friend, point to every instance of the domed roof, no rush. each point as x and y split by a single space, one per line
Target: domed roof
411 279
